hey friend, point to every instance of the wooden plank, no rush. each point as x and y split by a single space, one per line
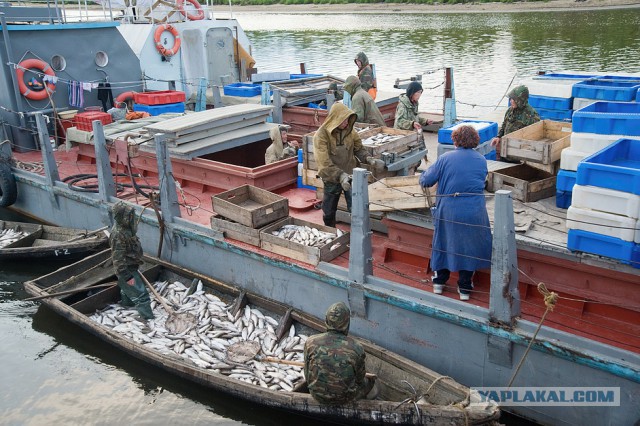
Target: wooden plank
408 137
527 183
540 142
399 193
250 206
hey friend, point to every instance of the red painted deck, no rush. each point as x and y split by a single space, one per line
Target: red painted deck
597 303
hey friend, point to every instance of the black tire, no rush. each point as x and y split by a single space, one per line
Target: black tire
8 187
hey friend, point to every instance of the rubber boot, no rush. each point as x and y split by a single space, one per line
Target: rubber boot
125 301
138 294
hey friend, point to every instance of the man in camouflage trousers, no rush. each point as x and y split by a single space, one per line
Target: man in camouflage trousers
126 253
520 114
334 363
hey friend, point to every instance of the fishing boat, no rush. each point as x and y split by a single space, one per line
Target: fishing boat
408 393
588 338
20 240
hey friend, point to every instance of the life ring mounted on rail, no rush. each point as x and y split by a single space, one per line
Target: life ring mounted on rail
31 92
123 97
176 43
199 15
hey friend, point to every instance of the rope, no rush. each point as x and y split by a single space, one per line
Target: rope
550 300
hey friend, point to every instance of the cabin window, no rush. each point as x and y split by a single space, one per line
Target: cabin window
102 59
58 63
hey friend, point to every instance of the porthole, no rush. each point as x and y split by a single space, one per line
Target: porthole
58 63
102 59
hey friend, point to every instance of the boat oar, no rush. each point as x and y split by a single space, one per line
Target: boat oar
67 292
79 237
177 322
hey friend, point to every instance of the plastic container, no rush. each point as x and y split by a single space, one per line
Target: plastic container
314 105
606 200
551 87
491 155
570 76
603 223
484 148
565 180
84 120
159 98
606 90
615 167
579 103
548 102
159 109
570 158
602 245
608 118
486 129
555 114
243 90
299 76
592 142
563 199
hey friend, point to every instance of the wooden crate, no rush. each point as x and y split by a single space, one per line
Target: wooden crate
409 137
526 183
312 255
540 142
236 231
250 206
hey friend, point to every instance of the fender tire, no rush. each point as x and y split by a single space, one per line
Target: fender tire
8 187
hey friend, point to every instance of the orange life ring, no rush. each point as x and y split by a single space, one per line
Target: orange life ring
176 43
123 97
44 68
199 15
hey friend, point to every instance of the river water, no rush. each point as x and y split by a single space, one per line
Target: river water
54 373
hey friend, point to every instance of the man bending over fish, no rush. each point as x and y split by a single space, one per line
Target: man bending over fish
126 253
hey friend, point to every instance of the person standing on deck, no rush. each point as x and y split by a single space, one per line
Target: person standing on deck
334 363
362 103
520 114
462 236
126 253
365 74
407 117
337 148
277 150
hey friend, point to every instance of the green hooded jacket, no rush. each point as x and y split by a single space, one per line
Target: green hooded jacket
362 103
126 250
336 150
365 72
522 115
407 113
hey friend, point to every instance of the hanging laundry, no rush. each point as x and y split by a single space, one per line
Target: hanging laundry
76 95
53 79
105 96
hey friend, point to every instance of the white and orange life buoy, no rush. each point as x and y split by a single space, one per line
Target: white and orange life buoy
36 95
199 15
176 43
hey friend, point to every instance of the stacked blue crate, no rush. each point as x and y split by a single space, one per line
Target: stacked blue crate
616 167
552 108
300 167
486 129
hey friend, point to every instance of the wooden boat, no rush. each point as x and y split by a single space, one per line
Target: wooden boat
31 240
445 401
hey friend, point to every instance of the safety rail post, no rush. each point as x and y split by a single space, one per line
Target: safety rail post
201 98
504 297
168 195
276 114
50 166
106 184
449 106
360 250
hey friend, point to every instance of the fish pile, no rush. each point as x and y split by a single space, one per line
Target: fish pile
206 344
379 139
10 236
307 235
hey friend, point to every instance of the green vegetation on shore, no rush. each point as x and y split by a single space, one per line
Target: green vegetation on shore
270 2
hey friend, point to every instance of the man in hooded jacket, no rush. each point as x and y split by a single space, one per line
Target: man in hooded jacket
126 253
334 363
365 74
361 102
407 117
337 146
520 114
277 150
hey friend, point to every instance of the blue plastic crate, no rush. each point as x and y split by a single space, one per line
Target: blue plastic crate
299 76
606 90
243 90
635 257
563 199
486 132
608 118
316 106
603 245
555 114
547 102
565 180
491 155
159 109
564 76
615 167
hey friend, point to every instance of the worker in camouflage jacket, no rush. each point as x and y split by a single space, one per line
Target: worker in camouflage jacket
334 363
365 74
361 102
407 117
520 114
337 148
126 253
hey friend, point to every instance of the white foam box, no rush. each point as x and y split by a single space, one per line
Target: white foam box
612 225
593 142
606 200
552 87
570 158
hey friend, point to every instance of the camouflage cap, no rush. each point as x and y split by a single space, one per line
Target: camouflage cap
338 317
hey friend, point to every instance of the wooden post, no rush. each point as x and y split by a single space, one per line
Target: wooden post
449 105
360 253
303 68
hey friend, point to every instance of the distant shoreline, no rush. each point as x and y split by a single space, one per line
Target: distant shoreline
537 6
